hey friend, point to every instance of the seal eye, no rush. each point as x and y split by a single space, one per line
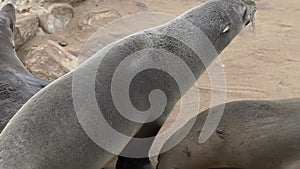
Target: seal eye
226 29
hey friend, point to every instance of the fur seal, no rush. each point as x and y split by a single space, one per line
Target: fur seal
49 130
240 12
251 134
16 83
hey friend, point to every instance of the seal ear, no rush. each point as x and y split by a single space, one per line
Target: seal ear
8 11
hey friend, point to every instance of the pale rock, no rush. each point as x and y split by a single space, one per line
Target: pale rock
49 61
40 32
26 28
22 2
141 4
98 18
55 1
56 17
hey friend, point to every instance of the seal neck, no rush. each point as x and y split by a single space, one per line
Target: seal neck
10 60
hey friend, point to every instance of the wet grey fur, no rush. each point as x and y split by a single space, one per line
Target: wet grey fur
46 133
251 135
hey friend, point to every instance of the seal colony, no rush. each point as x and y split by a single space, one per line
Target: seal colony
251 135
16 83
46 132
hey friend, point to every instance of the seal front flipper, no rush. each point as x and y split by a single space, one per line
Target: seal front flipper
35 83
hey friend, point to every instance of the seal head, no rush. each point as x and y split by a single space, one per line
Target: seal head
222 20
8 17
7 24
8 56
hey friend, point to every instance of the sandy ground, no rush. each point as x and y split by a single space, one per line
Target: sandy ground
266 66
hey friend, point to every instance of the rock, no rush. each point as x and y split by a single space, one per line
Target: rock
26 28
18 2
49 61
98 18
67 1
56 17
63 43
72 1
22 2
23 9
141 4
40 32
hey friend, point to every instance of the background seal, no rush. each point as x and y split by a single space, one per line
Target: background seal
17 85
252 134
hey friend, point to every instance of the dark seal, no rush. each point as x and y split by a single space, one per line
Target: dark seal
16 83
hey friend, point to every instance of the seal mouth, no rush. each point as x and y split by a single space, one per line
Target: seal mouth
247 23
249 13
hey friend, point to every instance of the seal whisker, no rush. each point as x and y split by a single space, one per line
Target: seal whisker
253 24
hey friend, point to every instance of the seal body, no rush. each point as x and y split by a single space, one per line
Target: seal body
251 135
16 83
220 21
46 132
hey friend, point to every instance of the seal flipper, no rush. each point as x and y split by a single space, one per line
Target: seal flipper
133 163
35 83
